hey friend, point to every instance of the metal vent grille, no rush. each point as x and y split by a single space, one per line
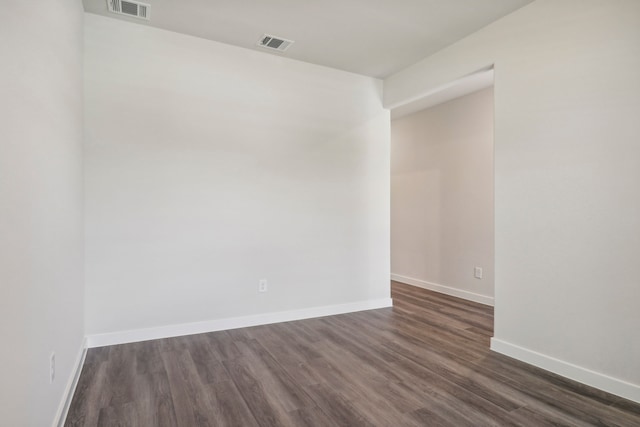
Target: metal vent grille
129 8
275 43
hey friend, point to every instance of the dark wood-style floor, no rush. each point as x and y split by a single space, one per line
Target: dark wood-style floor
424 362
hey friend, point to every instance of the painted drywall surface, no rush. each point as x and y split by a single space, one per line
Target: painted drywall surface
41 290
442 194
210 167
567 174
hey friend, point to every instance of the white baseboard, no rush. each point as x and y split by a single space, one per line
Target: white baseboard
123 337
577 373
63 408
454 292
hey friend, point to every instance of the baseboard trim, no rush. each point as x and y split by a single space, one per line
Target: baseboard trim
470 296
65 403
574 372
136 335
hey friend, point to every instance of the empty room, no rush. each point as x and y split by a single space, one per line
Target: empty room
304 213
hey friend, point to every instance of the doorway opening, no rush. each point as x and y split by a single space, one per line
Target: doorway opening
442 190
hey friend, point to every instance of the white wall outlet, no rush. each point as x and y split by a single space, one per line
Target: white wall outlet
262 285
477 272
52 368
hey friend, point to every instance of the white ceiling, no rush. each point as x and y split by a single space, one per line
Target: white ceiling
370 37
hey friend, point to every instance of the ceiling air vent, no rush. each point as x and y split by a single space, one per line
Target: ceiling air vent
274 43
129 8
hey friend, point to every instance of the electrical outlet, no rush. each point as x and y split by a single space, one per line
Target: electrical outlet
477 272
262 285
52 368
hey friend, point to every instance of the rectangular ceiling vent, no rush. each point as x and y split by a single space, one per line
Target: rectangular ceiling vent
129 8
275 43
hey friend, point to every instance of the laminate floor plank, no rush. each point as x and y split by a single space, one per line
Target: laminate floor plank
359 381
402 291
544 416
300 341
264 405
91 394
442 341
275 378
440 417
341 343
307 329
435 319
192 405
234 411
445 394
97 355
338 409
121 370
627 406
147 357
564 399
423 362
286 353
463 375
223 345
399 319
207 360
154 405
311 417
124 415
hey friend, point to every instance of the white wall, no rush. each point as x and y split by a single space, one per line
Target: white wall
209 167
442 197
41 289
567 181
